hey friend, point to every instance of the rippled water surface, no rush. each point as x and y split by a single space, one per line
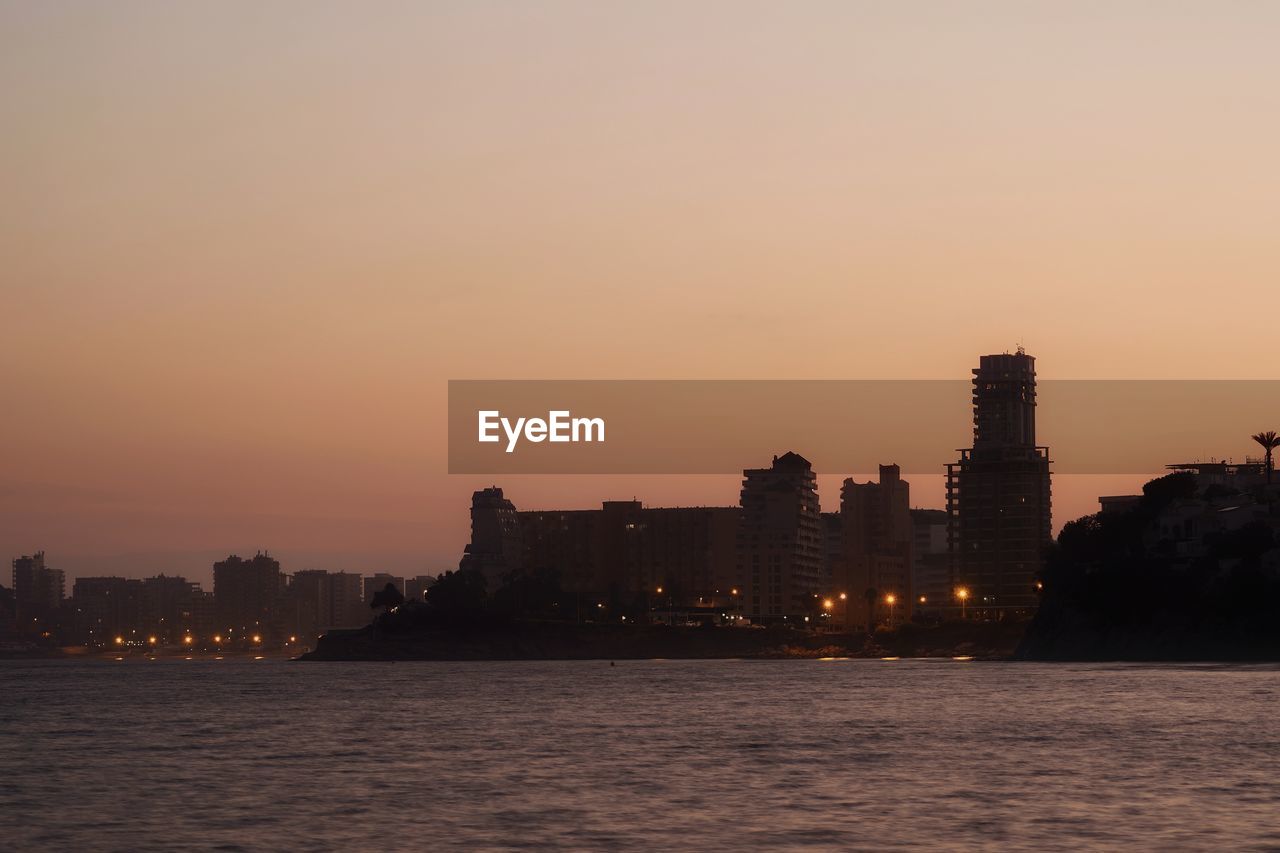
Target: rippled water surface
260 755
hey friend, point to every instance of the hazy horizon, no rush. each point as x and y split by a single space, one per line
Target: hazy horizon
246 246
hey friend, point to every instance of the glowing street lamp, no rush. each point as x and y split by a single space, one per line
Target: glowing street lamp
963 594
891 600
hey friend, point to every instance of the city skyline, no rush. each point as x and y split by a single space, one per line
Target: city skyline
577 492
236 290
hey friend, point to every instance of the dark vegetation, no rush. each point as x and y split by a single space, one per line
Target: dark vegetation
1116 588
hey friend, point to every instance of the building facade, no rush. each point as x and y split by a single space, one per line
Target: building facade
998 493
248 596
877 534
37 593
496 545
780 543
931 563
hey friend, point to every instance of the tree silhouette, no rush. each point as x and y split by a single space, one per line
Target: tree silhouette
871 595
388 598
1269 441
460 593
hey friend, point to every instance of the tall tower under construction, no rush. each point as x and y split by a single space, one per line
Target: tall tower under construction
998 497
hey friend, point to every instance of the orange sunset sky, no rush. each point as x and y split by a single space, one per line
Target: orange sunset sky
245 245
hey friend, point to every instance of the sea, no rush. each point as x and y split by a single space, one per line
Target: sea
242 754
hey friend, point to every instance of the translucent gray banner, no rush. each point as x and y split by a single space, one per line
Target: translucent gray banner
723 426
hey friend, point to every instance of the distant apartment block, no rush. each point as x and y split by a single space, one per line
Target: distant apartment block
347 604
318 600
416 587
877 538
625 552
780 543
37 592
374 584
164 607
248 595
496 545
998 493
930 562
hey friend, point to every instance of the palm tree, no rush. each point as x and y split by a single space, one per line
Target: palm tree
1269 441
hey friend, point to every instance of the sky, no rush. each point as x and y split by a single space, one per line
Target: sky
243 246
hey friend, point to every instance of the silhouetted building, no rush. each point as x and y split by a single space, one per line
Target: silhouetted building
998 495
7 615
877 533
373 584
1227 475
416 587
350 610
832 550
780 552
624 552
930 562
204 614
247 595
317 601
308 610
1118 503
37 591
167 608
106 608
496 544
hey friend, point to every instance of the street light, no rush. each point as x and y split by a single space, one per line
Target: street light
891 600
963 594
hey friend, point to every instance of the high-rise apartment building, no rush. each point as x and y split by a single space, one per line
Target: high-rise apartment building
496 544
37 592
877 536
780 547
998 495
318 600
248 595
